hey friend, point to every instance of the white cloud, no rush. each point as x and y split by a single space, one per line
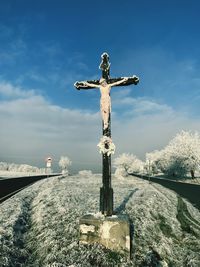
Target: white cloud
144 106
8 90
33 128
138 105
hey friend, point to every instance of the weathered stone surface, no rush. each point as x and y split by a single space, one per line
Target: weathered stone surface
113 232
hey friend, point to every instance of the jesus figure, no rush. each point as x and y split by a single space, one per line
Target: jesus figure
105 102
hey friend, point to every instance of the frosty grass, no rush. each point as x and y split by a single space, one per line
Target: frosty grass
39 225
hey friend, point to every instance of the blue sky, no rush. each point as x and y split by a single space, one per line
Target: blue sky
45 46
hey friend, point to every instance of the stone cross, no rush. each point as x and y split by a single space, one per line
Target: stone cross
106 145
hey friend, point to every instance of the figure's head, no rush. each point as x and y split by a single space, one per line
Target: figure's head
105 56
102 81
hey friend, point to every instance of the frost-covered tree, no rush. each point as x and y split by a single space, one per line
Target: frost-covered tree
126 164
184 153
180 157
4 166
64 163
151 163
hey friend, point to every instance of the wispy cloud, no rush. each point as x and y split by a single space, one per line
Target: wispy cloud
12 52
128 105
143 124
5 31
162 74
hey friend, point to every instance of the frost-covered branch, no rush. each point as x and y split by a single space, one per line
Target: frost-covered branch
64 163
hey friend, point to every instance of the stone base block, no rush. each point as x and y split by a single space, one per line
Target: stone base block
113 232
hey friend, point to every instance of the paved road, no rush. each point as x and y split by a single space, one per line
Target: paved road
10 186
189 191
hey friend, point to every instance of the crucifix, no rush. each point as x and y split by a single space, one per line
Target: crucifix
107 148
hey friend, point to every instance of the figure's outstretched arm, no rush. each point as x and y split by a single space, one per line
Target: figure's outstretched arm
119 82
91 84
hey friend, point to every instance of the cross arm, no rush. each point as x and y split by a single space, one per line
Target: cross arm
129 80
85 85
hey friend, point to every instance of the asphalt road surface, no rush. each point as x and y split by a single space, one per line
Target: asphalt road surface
189 191
9 187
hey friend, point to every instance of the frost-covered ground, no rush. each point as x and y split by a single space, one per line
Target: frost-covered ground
39 225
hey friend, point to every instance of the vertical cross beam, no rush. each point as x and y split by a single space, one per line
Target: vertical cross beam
106 191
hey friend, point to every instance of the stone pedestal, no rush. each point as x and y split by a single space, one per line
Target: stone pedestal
113 232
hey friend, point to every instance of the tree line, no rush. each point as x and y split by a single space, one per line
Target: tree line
13 167
180 157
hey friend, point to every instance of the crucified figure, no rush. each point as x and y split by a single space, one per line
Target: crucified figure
105 101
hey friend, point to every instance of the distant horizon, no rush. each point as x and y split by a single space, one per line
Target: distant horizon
56 169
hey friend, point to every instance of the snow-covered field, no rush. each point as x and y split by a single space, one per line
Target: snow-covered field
39 225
